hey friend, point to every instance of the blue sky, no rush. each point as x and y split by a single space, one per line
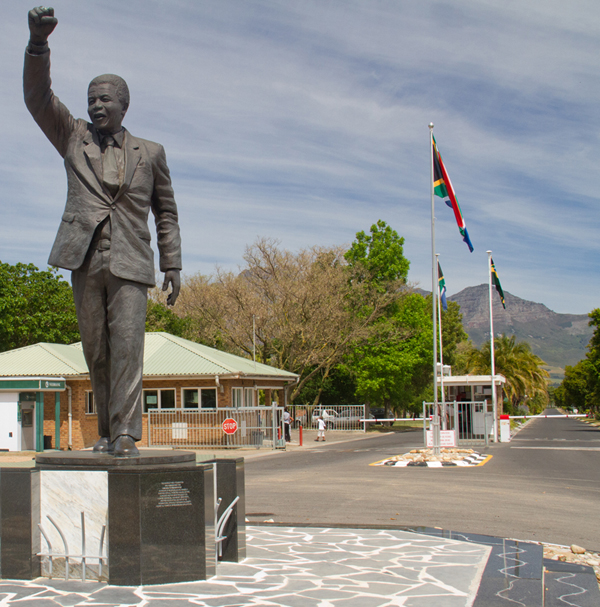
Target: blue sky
306 121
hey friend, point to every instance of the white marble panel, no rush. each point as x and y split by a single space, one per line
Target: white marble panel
64 496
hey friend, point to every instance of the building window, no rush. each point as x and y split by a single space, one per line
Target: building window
158 399
242 397
203 398
90 403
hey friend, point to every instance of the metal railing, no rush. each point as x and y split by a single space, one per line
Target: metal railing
337 417
225 428
63 564
471 422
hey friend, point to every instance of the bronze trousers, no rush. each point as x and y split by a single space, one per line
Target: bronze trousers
111 313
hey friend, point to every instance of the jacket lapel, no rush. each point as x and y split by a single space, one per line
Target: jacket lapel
133 156
91 148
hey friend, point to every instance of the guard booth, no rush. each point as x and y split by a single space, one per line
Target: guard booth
22 412
469 407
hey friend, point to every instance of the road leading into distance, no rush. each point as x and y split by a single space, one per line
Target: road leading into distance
543 486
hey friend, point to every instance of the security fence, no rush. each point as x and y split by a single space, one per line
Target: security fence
337 417
463 422
216 428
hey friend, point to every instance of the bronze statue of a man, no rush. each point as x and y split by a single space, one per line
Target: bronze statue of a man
114 180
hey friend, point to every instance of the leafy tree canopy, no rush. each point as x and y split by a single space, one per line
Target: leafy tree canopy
35 306
300 311
394 367
581 386
381 255
159 317
523 370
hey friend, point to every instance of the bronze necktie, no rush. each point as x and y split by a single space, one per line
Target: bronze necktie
110 176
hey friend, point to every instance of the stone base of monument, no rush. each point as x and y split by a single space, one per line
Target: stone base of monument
230 512
129 521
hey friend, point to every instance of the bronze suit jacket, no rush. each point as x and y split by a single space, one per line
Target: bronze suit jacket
146 186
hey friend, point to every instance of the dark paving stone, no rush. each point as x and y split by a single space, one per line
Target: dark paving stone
442 601
68 600
515 560
21 590
571 587
34 602
116 595
550 565
503 592
72 585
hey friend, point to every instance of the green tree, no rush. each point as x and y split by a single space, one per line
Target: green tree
378 258
581 386
337 387
161 318
576 389
394 367
523 370
593 356
35 306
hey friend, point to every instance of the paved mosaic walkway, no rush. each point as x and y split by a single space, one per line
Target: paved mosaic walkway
300 567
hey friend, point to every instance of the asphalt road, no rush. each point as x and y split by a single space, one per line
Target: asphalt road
542 486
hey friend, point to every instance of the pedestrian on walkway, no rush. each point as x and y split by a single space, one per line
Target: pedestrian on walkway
287 420
321 433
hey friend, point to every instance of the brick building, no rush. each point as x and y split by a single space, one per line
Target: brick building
46 400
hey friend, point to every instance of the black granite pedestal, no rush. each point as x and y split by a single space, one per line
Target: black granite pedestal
161 527
160 514
19 518
231 484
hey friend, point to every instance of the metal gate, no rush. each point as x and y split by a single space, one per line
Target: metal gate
254 427
473 422
336 417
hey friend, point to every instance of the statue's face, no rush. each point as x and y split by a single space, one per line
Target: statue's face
104 108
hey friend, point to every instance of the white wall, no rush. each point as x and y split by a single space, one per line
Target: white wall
8 421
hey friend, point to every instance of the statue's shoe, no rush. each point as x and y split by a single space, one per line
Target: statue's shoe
124 446
103 445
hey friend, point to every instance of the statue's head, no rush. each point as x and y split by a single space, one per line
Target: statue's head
108 100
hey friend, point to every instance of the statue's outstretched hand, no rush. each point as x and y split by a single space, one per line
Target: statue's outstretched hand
172 278
41 24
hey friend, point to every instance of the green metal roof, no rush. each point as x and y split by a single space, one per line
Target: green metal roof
43 359
164 355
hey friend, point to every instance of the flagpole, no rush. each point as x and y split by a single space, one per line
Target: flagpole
436 419
439 309
492 348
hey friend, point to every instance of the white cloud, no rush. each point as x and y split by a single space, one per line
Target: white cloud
307 121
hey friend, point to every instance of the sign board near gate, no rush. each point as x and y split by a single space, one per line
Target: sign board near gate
447 438
230 426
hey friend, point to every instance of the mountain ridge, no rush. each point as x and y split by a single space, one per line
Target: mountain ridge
558 339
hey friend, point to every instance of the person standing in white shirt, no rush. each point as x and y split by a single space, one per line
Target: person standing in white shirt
322 427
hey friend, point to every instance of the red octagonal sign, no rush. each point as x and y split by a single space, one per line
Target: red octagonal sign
229 426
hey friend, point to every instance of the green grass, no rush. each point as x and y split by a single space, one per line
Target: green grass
400 426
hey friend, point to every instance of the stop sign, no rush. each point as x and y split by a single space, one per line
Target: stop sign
229 426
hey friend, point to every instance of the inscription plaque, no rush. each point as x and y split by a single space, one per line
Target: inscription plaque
172 494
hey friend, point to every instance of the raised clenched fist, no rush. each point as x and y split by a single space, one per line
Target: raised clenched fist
41 24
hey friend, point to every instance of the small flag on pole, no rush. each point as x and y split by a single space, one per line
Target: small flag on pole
442 187
442 286
497 284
